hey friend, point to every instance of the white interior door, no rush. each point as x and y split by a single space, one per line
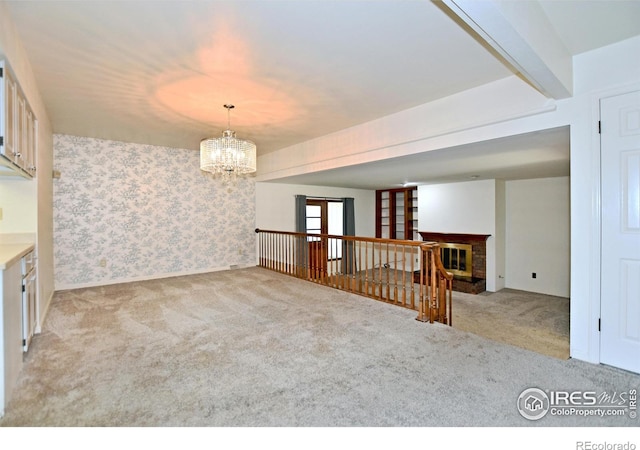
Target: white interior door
620 283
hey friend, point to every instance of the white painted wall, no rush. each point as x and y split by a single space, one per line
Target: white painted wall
538 235
18 200
275 205
468 207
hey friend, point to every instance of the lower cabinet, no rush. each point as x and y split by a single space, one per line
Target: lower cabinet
18 319
10 331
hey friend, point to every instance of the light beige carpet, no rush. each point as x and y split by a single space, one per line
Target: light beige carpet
251 347
537 322
533 321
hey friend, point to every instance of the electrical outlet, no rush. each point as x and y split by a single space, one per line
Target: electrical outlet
0 213
103 262
534 275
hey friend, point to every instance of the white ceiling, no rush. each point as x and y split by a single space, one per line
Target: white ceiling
158 72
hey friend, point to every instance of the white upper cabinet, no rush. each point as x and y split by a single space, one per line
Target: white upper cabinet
18 125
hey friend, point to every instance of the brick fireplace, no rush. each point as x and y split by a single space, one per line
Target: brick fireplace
462 282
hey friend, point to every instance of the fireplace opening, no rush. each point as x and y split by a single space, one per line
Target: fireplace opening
457 259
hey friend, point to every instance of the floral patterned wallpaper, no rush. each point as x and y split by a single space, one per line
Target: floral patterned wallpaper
144 212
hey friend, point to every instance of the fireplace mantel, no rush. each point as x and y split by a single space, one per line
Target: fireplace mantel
453 237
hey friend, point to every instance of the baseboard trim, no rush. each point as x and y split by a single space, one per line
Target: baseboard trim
66 287
42 314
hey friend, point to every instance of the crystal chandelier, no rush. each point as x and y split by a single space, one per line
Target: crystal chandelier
227 154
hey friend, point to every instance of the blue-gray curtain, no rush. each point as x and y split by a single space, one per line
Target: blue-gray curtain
301 242
301 213
348 229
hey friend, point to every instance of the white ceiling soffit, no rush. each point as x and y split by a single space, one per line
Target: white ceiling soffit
541 154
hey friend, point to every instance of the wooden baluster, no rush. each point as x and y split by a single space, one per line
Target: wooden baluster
302 257
289 254
387 277
450 290
366 268
420 278
263 251
442 299
381 272
277 252
315 262
404 276
340 264
276 262
335 277
358 268
380 279
434 287
413 269
272 252
284 253
395 273
267 247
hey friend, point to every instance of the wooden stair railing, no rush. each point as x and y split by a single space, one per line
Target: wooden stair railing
404 273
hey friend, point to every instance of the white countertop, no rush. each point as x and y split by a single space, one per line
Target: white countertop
11 253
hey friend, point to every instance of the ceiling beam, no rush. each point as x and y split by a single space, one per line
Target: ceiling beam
522 34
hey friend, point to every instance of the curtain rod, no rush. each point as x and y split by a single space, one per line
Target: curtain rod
337 199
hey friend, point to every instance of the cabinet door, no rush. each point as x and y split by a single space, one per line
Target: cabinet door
10 89
21 131
29 314
30 152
